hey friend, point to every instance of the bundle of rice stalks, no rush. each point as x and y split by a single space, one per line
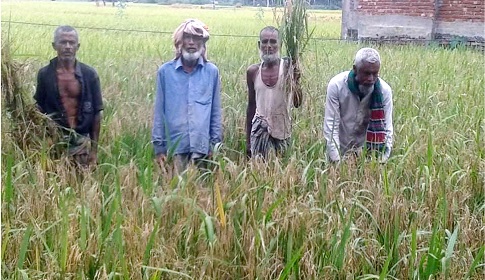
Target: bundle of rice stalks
295 35
26 127
294 28
12 93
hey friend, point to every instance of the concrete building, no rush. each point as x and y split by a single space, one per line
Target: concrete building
414 20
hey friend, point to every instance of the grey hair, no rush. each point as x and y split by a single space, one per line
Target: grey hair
366 55
271 29
64 28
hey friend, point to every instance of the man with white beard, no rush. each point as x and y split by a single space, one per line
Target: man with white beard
358 111
187 121
268 122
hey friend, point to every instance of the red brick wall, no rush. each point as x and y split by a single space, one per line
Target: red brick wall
463 10
397 7
448 10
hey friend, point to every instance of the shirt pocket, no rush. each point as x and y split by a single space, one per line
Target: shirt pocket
204 98
87 107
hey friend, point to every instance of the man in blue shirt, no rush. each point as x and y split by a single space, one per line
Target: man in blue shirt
187 115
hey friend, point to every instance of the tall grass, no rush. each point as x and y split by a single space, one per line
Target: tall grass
422 215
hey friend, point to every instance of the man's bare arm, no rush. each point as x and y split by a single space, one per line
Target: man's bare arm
293 71
94 135
251 109
297 91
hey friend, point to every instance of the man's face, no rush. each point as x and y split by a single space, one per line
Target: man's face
66 45
192 47
269 46
367 74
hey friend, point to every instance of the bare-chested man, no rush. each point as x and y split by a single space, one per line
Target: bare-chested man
268 122
69 92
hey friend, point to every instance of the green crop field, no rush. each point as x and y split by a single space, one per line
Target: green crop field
420 216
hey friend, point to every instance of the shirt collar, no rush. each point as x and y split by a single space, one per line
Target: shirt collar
178 62
77 67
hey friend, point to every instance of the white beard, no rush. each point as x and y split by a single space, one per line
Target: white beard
191 57
366 90
269 58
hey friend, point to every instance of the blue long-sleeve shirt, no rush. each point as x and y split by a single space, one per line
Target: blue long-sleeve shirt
187 113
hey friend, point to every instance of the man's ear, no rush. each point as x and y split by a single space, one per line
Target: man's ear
78 45
259 44
354 68
54 45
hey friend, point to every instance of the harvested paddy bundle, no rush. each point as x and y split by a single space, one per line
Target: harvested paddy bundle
24 125
295 35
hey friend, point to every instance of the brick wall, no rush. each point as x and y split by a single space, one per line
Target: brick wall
463 10
448 10
423 8
421 21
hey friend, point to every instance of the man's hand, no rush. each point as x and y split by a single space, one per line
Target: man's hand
93 158
248 153
333 158
383 157
296 73
161 158
334 162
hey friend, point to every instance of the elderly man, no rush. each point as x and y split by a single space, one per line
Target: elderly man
187 115
69 92
268 122
358 110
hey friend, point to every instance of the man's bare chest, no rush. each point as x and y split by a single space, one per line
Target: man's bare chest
69 87
270 76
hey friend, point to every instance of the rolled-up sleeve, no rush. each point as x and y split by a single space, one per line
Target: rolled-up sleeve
158 131
331 122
